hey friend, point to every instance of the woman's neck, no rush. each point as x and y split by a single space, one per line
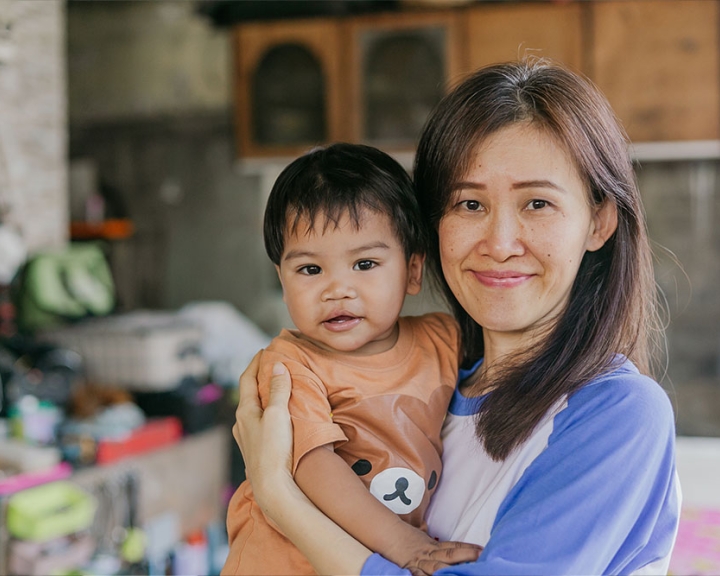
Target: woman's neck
501 349
500 346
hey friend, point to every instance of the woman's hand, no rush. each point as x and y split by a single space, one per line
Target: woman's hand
265 440
265 436
434 555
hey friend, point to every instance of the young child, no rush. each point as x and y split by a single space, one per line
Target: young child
370 389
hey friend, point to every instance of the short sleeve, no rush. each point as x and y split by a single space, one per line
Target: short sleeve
310 410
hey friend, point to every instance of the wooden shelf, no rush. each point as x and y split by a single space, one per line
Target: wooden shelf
113 229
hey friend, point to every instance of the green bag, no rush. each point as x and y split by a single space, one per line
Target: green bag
54 288
50 511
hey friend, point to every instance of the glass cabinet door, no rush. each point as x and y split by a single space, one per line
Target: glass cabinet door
400 67
288 97
288 86
403 79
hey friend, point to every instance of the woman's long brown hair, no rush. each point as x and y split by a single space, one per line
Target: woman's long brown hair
612 309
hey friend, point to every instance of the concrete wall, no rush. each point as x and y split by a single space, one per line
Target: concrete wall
33 121
143 59
682 200
196 215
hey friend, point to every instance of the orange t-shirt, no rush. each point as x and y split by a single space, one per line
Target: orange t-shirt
383 414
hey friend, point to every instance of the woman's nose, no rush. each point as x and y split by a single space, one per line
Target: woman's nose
338 289
503 237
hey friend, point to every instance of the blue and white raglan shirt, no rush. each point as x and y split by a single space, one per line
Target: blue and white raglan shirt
592 491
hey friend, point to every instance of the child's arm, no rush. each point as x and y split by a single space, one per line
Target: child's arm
337 491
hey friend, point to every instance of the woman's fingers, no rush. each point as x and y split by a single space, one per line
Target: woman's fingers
249 383
447 554
280 386
278 438
264 436
441 555
248 410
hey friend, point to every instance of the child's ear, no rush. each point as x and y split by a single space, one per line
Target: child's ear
277 269
415 273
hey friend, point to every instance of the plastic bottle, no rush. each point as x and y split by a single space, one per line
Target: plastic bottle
191 557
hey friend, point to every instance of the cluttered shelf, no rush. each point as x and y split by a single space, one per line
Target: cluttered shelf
91 407
83 425
148 513
115 445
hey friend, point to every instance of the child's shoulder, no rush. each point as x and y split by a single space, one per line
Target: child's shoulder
435 326
286 341
433 321
288 348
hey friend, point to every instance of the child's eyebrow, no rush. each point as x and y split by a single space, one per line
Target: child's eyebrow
294 254
299 254
373 246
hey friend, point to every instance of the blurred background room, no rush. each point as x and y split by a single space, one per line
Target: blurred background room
138 142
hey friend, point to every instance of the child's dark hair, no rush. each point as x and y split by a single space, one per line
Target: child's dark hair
337 180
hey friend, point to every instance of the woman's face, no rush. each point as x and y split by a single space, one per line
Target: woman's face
513 237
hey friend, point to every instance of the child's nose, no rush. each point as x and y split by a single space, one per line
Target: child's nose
338 289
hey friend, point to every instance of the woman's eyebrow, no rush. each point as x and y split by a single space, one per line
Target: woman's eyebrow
517 185
538 184
472 185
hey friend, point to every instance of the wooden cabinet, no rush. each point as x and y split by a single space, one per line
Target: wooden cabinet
371 79
399 67
374 79
498 32
289 86
657 62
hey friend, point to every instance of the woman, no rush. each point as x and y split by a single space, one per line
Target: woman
558 448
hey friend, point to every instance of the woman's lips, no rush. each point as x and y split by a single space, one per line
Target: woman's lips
496 279
341 322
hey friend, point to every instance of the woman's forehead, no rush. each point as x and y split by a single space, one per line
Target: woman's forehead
525 150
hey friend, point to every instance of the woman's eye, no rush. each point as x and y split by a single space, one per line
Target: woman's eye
537 204
365 265
471 205
310 270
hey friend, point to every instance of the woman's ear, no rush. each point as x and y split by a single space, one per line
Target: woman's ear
415 272
604 224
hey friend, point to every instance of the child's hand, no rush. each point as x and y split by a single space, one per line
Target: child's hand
435 555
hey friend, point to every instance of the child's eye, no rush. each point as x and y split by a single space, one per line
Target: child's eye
364 265
537 204
310 270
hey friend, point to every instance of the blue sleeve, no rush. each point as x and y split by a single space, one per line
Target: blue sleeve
601 498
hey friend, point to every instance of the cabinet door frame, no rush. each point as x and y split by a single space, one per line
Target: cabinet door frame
251 41
454 58
658 64
498 32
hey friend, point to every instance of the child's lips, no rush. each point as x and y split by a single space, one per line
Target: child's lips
341 322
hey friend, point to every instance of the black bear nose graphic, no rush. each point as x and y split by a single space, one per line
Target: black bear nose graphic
401 484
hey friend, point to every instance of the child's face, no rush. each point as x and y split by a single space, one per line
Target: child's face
344 287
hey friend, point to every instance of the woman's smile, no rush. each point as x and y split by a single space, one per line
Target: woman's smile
501 279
